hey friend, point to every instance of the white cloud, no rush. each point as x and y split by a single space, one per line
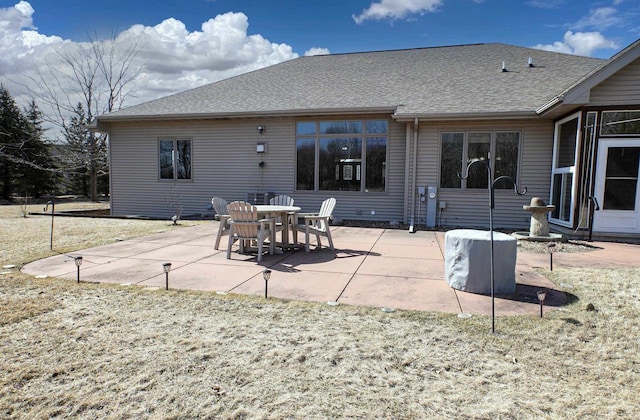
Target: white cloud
599 19
18 45
546 4
579 43
171 57
317 51
396 9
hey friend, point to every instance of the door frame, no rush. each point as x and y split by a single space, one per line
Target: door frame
602 219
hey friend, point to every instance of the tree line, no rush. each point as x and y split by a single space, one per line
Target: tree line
33 166
92 79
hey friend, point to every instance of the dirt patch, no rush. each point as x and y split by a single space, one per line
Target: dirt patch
549 247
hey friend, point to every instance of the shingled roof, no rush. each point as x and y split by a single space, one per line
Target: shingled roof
438 82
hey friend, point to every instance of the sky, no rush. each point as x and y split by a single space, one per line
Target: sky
183 44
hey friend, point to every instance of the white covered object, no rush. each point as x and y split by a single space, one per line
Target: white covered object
467 261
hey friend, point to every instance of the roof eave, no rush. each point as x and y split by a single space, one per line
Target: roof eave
577 94
250 114
451 116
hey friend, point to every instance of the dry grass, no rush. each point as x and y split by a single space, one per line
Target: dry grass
109 351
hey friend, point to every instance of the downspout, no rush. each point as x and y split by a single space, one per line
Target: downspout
110 172
412 186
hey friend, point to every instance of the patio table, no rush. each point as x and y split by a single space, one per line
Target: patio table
283 212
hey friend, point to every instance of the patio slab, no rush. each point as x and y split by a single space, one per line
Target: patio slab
373 267
407 293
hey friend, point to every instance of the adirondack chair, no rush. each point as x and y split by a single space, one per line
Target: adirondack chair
222 215
245 227
283 200
316 223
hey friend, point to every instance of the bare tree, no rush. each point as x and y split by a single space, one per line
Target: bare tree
95 77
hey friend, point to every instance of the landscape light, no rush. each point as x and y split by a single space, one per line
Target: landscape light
166 267
551 246
541 296
78 261
266 274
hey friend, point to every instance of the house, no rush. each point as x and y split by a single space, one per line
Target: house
387 134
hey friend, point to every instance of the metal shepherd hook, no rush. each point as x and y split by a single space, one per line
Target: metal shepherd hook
490 186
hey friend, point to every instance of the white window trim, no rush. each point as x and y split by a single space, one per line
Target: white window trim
565 169
635 135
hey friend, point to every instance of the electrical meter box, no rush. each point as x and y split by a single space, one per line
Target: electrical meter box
432 206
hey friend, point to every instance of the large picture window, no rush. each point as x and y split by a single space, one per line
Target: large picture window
175 159
458 149
341 155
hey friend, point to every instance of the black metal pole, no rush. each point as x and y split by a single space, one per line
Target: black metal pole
551 261
490 187
166 281
541 308
491 205
53 211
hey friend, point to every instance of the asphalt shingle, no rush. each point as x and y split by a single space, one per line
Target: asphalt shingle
424 82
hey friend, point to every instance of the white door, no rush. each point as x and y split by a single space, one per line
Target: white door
617 187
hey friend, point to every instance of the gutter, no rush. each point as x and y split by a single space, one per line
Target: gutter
414 170
464 116
551 104
234 115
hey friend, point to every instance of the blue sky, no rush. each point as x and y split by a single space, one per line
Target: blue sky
330 24
183 44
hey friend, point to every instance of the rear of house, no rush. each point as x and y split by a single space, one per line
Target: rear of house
387 134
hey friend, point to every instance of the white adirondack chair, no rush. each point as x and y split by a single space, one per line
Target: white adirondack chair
222 215
283 200
316 223
246 227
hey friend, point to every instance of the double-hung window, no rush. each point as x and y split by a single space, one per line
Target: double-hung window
341 155
174 159
459 149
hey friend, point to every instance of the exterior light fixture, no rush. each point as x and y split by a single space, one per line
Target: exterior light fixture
266 274
166 267
541 296
261 129
78 261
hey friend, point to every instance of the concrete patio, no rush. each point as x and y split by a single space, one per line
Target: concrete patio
372 267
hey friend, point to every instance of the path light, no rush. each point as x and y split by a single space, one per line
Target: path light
552 247
78 261
166 267
266 274
541 296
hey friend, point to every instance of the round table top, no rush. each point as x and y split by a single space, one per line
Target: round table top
275 209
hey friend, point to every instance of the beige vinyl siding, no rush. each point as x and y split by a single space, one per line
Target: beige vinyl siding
470 207
225 164
623 88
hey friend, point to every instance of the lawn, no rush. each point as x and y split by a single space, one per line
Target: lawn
95 350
